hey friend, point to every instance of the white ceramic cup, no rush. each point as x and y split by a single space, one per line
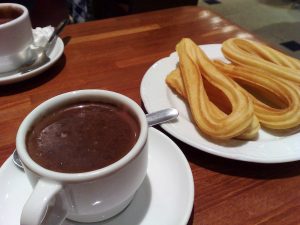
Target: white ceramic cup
89 196
15 37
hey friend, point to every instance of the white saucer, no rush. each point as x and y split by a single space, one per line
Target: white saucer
165 198
54 55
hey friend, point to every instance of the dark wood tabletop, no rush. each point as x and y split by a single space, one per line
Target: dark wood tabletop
114 54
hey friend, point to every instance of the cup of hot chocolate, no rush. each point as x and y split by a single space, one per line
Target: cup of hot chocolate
85 155
15 36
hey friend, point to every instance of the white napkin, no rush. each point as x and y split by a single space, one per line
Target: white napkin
41 35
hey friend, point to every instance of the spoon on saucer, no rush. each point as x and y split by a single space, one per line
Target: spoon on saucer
40 53
154 118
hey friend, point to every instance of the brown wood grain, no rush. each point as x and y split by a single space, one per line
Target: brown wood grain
114 54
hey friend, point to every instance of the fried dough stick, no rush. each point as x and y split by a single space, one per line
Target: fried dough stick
175 81
287 93
253 54
193 65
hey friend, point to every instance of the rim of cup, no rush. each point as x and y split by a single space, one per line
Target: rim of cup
15 20
73 97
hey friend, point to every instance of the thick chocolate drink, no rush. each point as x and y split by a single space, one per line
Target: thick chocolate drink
82 137
9 13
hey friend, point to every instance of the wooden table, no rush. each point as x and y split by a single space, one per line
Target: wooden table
114 54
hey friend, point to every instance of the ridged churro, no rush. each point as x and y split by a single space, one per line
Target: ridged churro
219 103
282 114
194 68
253 54
260 85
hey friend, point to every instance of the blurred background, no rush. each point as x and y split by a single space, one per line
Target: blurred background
276 21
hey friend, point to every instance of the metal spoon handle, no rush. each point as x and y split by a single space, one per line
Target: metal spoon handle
161 116
58 29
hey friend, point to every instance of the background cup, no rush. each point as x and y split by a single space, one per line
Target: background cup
89 196
15 39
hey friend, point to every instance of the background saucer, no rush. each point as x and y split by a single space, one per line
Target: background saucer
54 55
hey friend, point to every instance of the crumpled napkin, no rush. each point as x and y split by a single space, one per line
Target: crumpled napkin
41 35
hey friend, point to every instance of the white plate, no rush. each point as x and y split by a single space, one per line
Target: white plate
54 55
156 95
165 198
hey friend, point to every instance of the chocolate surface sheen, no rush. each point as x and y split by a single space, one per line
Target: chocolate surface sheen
82 137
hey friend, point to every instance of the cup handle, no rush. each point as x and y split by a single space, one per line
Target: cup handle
38 206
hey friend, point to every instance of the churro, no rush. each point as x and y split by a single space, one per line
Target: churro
194 68
260 85
283 113
257 55
219 103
